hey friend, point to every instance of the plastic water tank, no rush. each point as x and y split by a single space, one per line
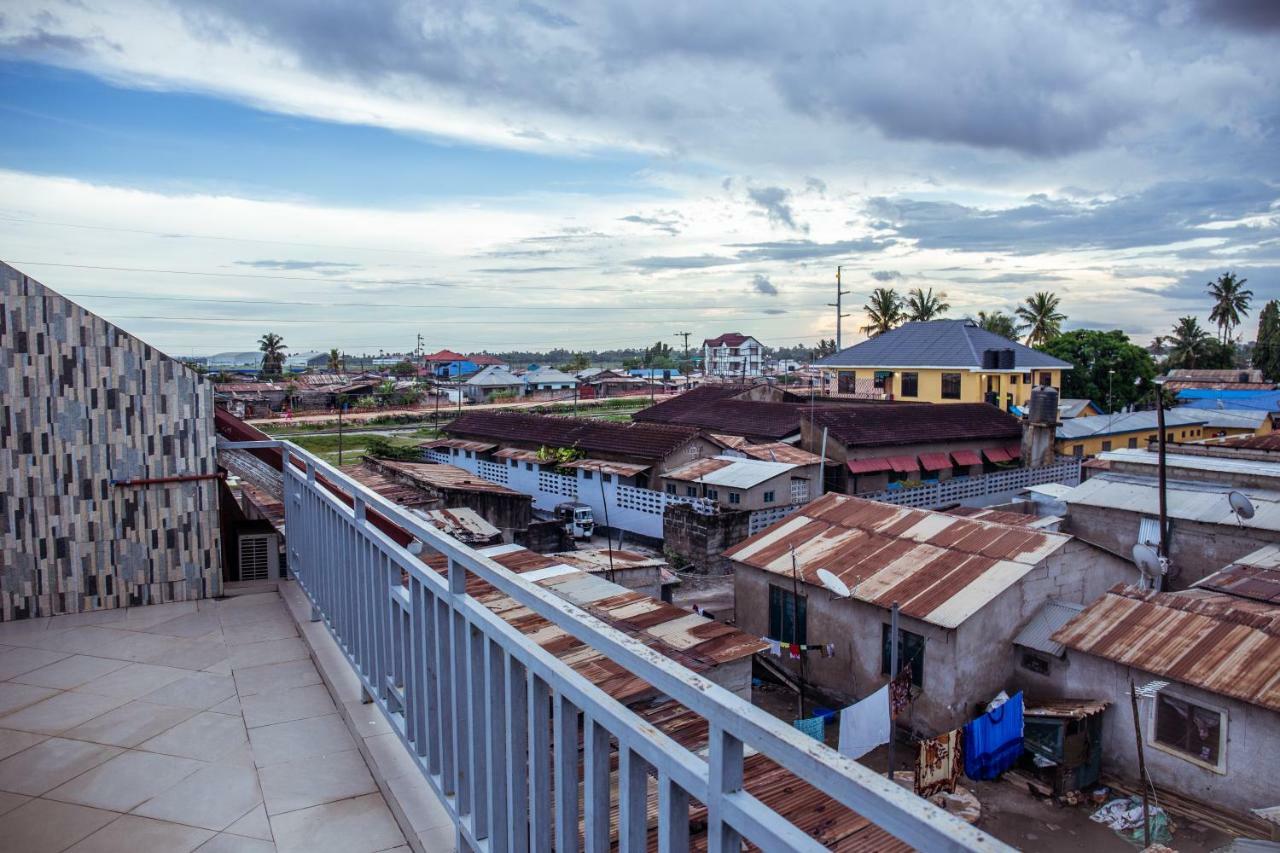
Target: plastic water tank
990 359
1006 359
1044 405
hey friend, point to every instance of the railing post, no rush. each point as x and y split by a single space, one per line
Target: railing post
725 777
566 776
673 816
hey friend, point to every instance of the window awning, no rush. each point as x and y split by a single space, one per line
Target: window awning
934 461
904 464
1014 451
996 454
966 457
868 466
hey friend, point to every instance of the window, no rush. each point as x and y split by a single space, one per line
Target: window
1106 445
951 386
847 381
528 466
735 498
713 494
1035 663
911 384
586 474
691 491
768 497
692 450
1046 378
1077 451
1013 379
880 377
1190 730
1133 443
799 491
608 478
1026 379
671 488
787 617
910 650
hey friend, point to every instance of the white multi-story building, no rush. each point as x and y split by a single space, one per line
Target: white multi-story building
733 354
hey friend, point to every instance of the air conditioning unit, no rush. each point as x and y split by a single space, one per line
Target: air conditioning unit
259 556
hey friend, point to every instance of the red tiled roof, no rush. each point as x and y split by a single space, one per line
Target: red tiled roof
444 355
640 440
882 424
484 358
732 339
714 407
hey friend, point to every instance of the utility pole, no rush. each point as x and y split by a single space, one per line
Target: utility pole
893 673
837 305
418 348
685 335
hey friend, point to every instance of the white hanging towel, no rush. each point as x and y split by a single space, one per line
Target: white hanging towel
865 725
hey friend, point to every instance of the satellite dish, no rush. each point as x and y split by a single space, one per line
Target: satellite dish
414 547
1147 560
833 583
1241 506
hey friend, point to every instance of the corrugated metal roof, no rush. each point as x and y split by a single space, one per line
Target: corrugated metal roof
769 451
1224 464
731 472
1229 418
939 568
1125 422
1216 642
438 476
1255 576
457 444
1074 708
463 524
1017 519
596 560
1203 502
518 454
604 466
1051 616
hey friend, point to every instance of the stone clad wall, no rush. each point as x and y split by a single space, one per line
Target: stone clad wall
83 403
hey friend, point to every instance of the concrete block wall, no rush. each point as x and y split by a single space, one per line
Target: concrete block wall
699 540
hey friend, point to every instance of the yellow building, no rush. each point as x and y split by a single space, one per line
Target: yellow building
1234 423
941 361
1090 436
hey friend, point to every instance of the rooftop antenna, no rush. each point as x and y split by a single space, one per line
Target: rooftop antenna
1150 563
1241 506
834 585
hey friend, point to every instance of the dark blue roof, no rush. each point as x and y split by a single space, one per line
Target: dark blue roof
938 343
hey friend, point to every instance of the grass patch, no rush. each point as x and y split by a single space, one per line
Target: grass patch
353 445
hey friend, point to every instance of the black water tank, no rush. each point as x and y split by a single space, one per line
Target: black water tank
990 359
1044 405
1006 359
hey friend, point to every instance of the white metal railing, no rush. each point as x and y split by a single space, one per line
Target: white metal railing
495 721
931 495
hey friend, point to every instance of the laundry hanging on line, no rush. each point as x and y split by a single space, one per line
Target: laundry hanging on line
865 724
938 763
993 741
900 692
812 726
794 650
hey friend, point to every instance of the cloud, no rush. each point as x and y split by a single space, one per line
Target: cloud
323 267
669 224
799 250
760 284
773 311
684 262
816 185
525 270
776 205
886 275
1249 16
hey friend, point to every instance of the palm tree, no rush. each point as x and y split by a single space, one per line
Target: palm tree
272 347
1188 343
335 360
1040 317
923 306
998 323
1230 303
884 310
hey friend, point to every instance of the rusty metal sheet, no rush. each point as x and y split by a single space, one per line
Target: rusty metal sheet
1074 708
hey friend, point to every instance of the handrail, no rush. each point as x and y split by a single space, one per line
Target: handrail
419 650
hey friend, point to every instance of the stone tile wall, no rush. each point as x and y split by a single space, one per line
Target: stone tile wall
82 404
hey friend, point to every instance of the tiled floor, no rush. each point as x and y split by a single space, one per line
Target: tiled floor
179 727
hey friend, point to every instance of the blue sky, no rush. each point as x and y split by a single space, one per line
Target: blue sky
594 175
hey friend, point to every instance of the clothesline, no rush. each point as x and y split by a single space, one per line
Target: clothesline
794 650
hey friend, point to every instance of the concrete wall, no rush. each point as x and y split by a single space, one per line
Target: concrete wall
82 403
1093 445
1252 735
1197 549
973 384
700 540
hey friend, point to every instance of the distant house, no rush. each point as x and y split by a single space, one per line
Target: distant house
446 364
1203 663
1089 436
239 361
743 483
942 361
1233 423
875 445
1071 407
596 382
491 381
965 588
299 361
757 412
733 354
549 379
1217 380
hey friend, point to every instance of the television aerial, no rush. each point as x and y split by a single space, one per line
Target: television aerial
837 587
1148 561
1241 506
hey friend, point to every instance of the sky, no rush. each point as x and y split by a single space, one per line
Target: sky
593 175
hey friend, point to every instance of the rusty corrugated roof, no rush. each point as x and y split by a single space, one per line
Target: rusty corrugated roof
604 466
443 476
769 451
457 443
938 567
1255 576
1214 641
404 495
1075 708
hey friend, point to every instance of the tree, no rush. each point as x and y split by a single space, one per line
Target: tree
923 306
660 356
1188 345
335 360
1040 317
1094 355
580 361
998 323
1230 303
404 368
1266 352
826 347
883 310
272 348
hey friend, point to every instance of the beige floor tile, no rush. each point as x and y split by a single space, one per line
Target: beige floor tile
206 736
368 718
276 628
59 713
9 802
133 680
137 618
234 619
360 825
439 839
45 826
254 824
20 631
132 834
190 625
312 781
90 617
212 798
131 724
70 672
228 706
126 781
137 646
195 654
281 706
269 651
82 641
198 690
19 660
299 739
12 742
419 802
275 676
50 763
15 696
222 667
225 842
391 757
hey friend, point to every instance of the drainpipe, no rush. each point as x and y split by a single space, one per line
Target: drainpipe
157 481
